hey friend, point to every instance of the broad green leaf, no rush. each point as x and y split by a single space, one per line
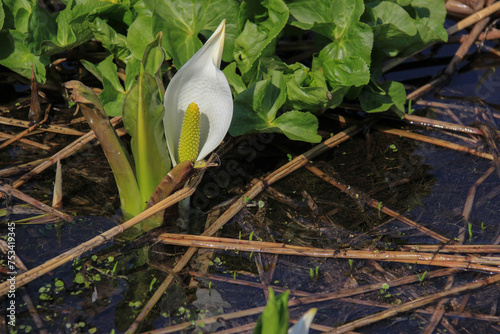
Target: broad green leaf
263 21
402 29
2 16
16 56
393 27
375 98
117 155
182 21
72 26
113 93
346 59
17 13
152 61
111 40
298 125
235 81
140 34
306 88
256 107
143 119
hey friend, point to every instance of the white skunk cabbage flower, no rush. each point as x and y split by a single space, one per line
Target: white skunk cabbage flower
302 326
200 91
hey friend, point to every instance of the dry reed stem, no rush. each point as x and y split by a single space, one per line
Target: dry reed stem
9 190
424 121
258 187
58 193
50 128
313 298
414 304
27 141
62 154
453 248
430 140
472 193
29 129
21 167
416 136
465 46
472 19
457 58
433 259
490 35
76 252
377 205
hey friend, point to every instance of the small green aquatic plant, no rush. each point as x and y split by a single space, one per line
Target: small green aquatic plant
274 319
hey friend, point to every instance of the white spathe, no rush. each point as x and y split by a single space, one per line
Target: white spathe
200 81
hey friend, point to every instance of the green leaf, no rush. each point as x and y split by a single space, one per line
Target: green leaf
143 119
73 24
393 27
402 29
346 59
17 13
235 81
255 110
2 16
182 21
111 40
139 34
113 93
152 61
274 319
298 125
389 94
16 56
117 155
306 88
263 21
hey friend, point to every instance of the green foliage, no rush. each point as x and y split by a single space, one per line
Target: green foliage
350 39
143 119
274 319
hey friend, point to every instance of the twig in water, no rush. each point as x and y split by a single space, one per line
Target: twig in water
7 189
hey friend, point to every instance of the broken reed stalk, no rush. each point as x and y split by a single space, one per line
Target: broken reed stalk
76 252
453 248
419 137
11 191
313 298
20 168
414 304
27 142
424 121
432 259
256 189
62 154
452 66
472 19
472 193
376 204
468 21
28 130
50 128
430 140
